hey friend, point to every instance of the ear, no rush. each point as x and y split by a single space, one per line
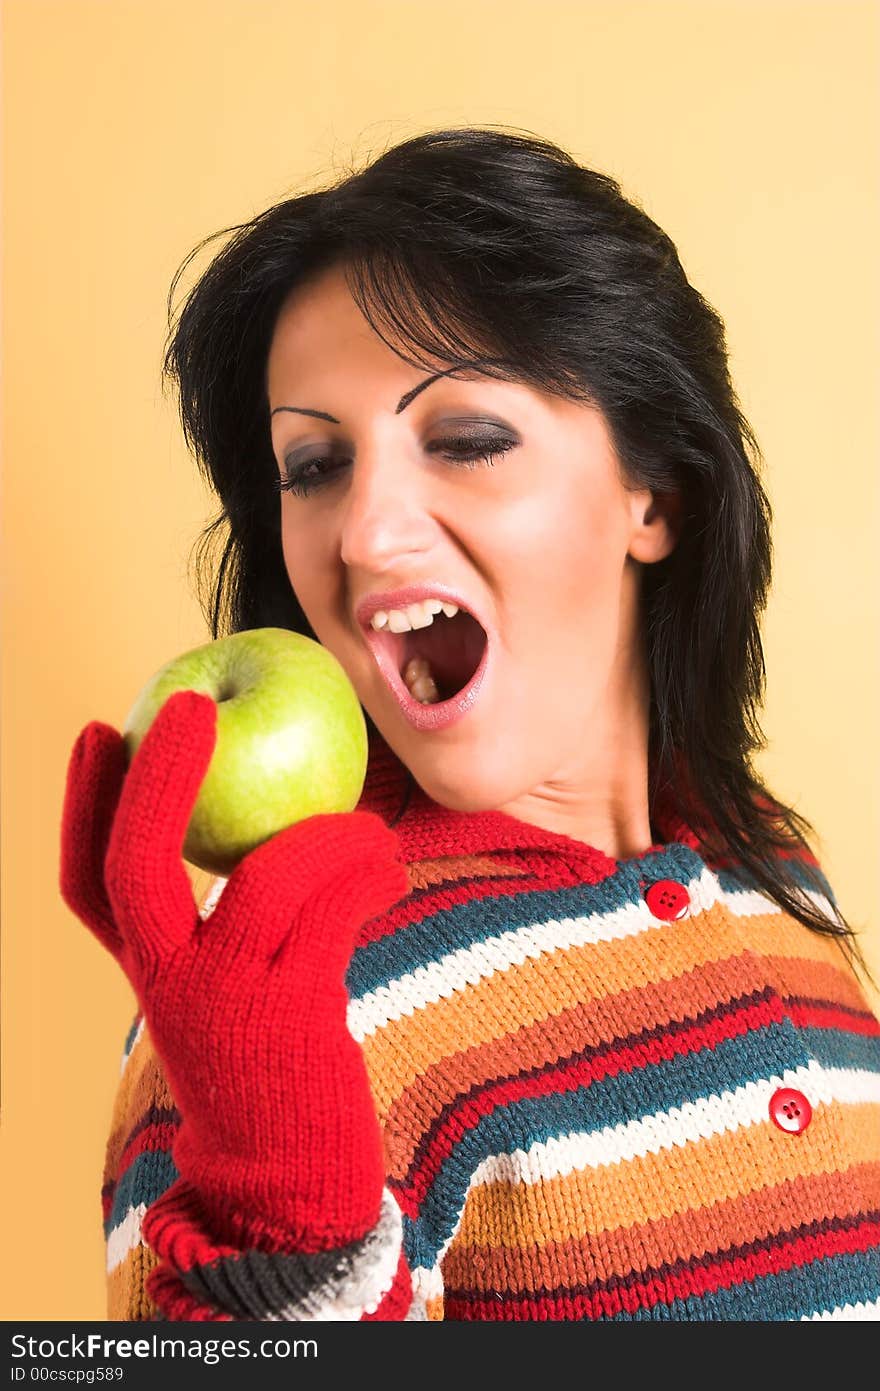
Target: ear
656 524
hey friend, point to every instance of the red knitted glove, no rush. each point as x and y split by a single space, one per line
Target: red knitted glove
279 1137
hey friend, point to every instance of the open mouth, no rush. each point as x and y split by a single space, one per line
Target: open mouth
449 650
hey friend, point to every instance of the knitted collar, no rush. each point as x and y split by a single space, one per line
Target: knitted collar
427 830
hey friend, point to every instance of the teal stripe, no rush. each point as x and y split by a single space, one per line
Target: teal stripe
145 1180
839 1048
606 1102
130 1037
421 943
822 1284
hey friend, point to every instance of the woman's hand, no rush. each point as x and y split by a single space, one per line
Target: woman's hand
279 1141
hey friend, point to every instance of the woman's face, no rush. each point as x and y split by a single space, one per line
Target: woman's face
540 543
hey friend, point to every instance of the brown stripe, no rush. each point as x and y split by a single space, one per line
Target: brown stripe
679 1279
558 978
825 981
562 978
587 1025
689 1235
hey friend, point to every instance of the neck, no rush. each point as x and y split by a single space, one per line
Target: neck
602 797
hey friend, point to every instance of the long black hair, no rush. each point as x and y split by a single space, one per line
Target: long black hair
494 244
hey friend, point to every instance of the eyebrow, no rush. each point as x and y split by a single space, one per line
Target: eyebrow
404 400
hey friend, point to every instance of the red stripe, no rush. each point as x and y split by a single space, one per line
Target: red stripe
549 876
152 1137
570 1076
699 1280
829 1017
439 898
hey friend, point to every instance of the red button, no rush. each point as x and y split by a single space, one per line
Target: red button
790 1110
668 900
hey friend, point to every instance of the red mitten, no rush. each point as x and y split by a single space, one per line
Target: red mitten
279 1146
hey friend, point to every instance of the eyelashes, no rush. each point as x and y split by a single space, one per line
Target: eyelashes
312 474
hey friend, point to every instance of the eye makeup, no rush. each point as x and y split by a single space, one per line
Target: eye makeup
470 443
303 476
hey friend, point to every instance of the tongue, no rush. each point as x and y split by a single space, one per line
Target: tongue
451 648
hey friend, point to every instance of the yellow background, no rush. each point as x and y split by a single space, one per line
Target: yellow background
133 128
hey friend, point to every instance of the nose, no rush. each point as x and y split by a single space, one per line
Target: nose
387 515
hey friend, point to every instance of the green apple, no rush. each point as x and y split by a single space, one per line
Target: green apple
291 738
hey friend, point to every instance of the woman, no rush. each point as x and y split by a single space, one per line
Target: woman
562 1022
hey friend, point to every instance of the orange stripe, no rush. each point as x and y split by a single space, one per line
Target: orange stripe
682 1236
424 873
777 936
817 980
585 1025
126 1296
653 1186
399 1053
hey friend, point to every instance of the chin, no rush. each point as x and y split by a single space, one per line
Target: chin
455 783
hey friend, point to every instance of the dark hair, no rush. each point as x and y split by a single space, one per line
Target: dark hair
481 243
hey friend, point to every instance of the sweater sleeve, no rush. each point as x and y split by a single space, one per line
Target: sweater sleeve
162 1260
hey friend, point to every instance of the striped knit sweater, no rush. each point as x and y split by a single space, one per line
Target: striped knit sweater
599 1099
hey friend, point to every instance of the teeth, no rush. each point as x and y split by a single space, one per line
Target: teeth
420 615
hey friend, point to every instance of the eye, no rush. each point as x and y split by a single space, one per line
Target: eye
468 451
306 477
465 451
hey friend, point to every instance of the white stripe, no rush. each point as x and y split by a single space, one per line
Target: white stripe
863 1311
713 1115
427 1282
458 969
125 1236
365 1286
747 903
468 965
134 1043
719 1114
